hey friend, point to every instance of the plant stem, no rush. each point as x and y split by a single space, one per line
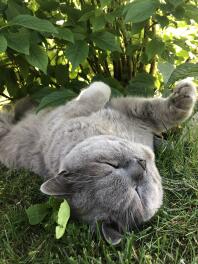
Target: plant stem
153 63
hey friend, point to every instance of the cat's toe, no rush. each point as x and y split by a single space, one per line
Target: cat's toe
100 87
97 89
184 95
186 88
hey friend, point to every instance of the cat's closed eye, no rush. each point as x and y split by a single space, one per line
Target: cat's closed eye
112 163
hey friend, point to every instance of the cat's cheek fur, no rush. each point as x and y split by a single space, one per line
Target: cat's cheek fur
152 201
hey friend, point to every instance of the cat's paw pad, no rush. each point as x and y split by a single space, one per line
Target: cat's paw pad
98 89
184 95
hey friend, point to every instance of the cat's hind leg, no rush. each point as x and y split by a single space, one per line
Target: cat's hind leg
20 143
90 100
6 123
98 91
6 126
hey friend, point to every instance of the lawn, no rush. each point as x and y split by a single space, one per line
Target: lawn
170 237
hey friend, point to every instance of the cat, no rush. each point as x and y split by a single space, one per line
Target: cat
98 153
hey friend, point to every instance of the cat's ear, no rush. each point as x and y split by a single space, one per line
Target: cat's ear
111 234
56 185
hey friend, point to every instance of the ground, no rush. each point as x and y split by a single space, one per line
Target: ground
170 237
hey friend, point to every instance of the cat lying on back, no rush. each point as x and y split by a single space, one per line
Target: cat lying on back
97 153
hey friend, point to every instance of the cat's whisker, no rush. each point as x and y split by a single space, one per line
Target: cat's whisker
133 220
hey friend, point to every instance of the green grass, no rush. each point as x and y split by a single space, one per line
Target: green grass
170 237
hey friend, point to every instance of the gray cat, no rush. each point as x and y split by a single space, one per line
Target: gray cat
97 153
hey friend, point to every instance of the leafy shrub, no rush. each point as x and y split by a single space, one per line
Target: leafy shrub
50 49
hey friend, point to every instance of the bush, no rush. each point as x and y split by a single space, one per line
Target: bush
50 49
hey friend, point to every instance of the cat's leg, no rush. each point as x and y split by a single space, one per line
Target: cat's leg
6 126
20 143
161 113
23 106
91 99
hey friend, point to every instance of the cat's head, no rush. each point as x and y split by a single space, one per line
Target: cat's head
108 179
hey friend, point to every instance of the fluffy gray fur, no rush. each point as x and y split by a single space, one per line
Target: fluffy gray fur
97 153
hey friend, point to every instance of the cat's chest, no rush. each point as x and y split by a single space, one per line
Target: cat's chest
135 130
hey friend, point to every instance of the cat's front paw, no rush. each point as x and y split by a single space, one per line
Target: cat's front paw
184 95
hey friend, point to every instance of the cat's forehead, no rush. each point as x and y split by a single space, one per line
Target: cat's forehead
106 147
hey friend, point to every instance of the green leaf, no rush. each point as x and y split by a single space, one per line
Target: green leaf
140 10
76 53
38 58
3 5
155 46
179 13
141 85
63 217
48 5
19 41
166 70
105 3
169 55
42 92
56 98
79 33
110 17
14 9
137 27
87 16
36 213
98 22
176 3
191 11
183 71
62 74
11 82
162 20
3 43
32 22
116 88
65 34
181 42
106 41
